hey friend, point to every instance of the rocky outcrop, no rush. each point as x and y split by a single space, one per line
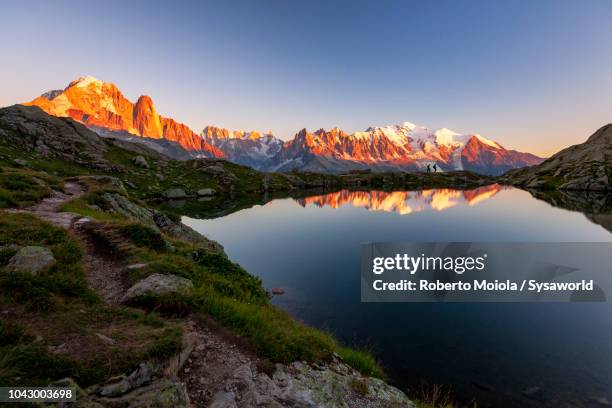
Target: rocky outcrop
218 374
587 166
31 259
157 220
146 119
101 105
405 147
157 284
30 128
399 148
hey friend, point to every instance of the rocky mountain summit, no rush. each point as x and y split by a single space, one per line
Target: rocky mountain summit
100 104
586 166
405 147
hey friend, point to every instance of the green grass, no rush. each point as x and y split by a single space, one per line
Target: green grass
19 188
64 279
80 206
223 290
362 361
167 344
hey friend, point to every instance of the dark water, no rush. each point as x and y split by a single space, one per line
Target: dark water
494 352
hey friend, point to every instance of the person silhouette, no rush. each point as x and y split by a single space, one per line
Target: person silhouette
435 168
429 168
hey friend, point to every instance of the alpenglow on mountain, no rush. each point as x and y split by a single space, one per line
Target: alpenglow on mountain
406 147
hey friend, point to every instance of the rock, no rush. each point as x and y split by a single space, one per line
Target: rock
160 177
115 386
130 184
105 339
223 399
140 161
158 221
205 192
278 291
20 162
113 181
31 128
120 385
175 193
31 259
163 393
157 284
136 266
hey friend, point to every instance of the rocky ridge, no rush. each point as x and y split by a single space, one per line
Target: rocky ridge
406 147
586 166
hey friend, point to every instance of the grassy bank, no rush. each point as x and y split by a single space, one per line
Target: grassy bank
56 320
54 326
222 289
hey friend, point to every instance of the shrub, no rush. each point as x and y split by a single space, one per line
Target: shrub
145 237
168 344
361 361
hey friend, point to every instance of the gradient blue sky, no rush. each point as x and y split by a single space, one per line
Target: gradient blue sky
533 75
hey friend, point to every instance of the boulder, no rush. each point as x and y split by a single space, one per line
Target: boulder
223 399
20 162
205 192
157 284
175 193
163 393
140 161
31 259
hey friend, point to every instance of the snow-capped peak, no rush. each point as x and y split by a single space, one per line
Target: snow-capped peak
487 141
85 81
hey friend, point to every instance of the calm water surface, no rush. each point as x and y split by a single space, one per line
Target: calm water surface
494 352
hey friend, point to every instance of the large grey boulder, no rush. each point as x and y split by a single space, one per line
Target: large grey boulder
206 192
175 193
31 259
156 284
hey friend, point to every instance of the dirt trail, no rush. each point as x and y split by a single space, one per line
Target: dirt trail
104 271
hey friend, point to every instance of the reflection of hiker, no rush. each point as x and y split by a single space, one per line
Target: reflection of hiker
429 168
435 168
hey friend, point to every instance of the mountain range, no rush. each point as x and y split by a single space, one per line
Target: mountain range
406 147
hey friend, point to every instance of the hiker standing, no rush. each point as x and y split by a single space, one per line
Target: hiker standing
435 168
428 168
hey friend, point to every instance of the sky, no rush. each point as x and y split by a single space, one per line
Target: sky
533 75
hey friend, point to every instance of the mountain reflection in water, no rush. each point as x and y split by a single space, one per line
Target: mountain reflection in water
403 202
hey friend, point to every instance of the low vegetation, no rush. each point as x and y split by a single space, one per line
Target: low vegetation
222 290
54 326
